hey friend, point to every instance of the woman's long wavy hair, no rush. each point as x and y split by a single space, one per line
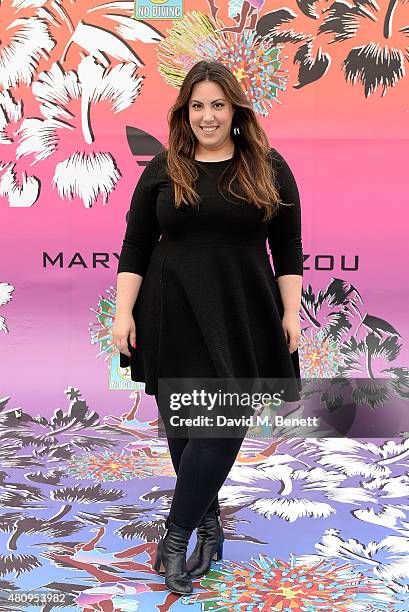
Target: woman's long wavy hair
251 164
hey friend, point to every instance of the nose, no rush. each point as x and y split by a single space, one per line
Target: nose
208 115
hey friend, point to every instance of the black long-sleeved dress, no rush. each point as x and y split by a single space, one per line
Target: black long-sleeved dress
209 303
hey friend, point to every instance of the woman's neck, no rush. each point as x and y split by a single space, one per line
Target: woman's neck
215 156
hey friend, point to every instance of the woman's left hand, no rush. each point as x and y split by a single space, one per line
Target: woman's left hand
292 330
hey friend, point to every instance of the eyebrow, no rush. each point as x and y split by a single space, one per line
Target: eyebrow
218 99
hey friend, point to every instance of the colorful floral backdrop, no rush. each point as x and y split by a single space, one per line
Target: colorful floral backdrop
85 485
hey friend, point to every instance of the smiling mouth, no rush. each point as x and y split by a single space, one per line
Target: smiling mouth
209 130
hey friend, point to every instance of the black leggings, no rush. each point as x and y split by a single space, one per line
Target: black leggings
201 465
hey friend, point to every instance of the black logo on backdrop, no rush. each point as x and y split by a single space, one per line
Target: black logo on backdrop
324 263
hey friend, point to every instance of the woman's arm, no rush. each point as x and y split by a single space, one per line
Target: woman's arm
284 234
127 289
142 233
285 242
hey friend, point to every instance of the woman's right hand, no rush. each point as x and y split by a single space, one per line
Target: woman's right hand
123 326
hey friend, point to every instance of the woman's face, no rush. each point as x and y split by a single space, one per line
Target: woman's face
209 107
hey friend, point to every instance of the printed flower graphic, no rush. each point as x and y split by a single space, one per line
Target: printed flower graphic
68 100
338 340
365 459
49 435
371 353
294 496
273 584
5 296
101 331
388 559
320 357
254 62
25 190
25 39
330 310
109 465
102 29
384 468
378 33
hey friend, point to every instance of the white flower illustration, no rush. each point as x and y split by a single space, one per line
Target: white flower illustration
22 191
355 458
86 176
393 568
24 40
293 499
102 30
68 99
5 296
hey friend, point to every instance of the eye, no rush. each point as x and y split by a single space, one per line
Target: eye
195 105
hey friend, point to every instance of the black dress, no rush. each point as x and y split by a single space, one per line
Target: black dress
209 303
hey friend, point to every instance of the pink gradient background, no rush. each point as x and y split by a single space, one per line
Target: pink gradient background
349 157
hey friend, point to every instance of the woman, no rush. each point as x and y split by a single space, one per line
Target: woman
196 295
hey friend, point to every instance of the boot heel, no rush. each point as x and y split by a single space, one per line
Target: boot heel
158 565
219 553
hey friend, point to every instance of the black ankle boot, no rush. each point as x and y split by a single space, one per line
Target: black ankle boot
171 558
209 545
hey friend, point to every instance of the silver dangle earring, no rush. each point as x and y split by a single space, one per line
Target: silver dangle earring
236 129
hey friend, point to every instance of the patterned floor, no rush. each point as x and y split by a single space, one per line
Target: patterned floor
310 525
